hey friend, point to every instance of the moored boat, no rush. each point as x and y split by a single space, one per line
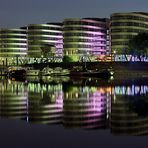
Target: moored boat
18 73
103 73
58 71
46 71
32 72
15 73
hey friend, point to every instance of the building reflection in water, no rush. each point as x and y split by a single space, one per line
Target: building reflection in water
123 109
85 107
13 99
129 110
45 103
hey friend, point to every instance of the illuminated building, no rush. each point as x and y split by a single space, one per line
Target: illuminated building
13 46
91 38
82 37
85 36
40 35
124 26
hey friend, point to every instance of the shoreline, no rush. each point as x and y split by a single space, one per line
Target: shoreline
121 69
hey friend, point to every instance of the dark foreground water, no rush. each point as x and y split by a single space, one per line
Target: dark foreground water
76 113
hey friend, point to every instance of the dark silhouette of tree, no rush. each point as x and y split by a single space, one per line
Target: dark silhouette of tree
48 51
66 59
139 105
37 44
138 45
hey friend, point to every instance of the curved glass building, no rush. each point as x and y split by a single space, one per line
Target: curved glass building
40 35
85 36
124 26
13 45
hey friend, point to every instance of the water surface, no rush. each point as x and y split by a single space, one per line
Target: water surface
64 112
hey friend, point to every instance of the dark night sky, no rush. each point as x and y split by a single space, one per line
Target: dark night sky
17 13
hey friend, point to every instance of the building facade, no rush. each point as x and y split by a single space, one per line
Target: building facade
40 35
13 46
124 26
85 36
80 39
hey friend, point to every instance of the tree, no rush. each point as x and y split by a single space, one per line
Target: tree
66 59
138 45
138 104
35 49
48 51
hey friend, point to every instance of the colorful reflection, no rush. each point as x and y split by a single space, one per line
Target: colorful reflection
45 103
85 107
129 115
131 90
13 99
123 109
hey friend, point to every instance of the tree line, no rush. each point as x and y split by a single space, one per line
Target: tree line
138 46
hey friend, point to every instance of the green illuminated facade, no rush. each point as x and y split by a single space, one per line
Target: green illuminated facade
40 35
13 45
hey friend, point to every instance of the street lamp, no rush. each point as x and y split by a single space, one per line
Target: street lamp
114 54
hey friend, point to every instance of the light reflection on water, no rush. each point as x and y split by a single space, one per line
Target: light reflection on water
77 104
